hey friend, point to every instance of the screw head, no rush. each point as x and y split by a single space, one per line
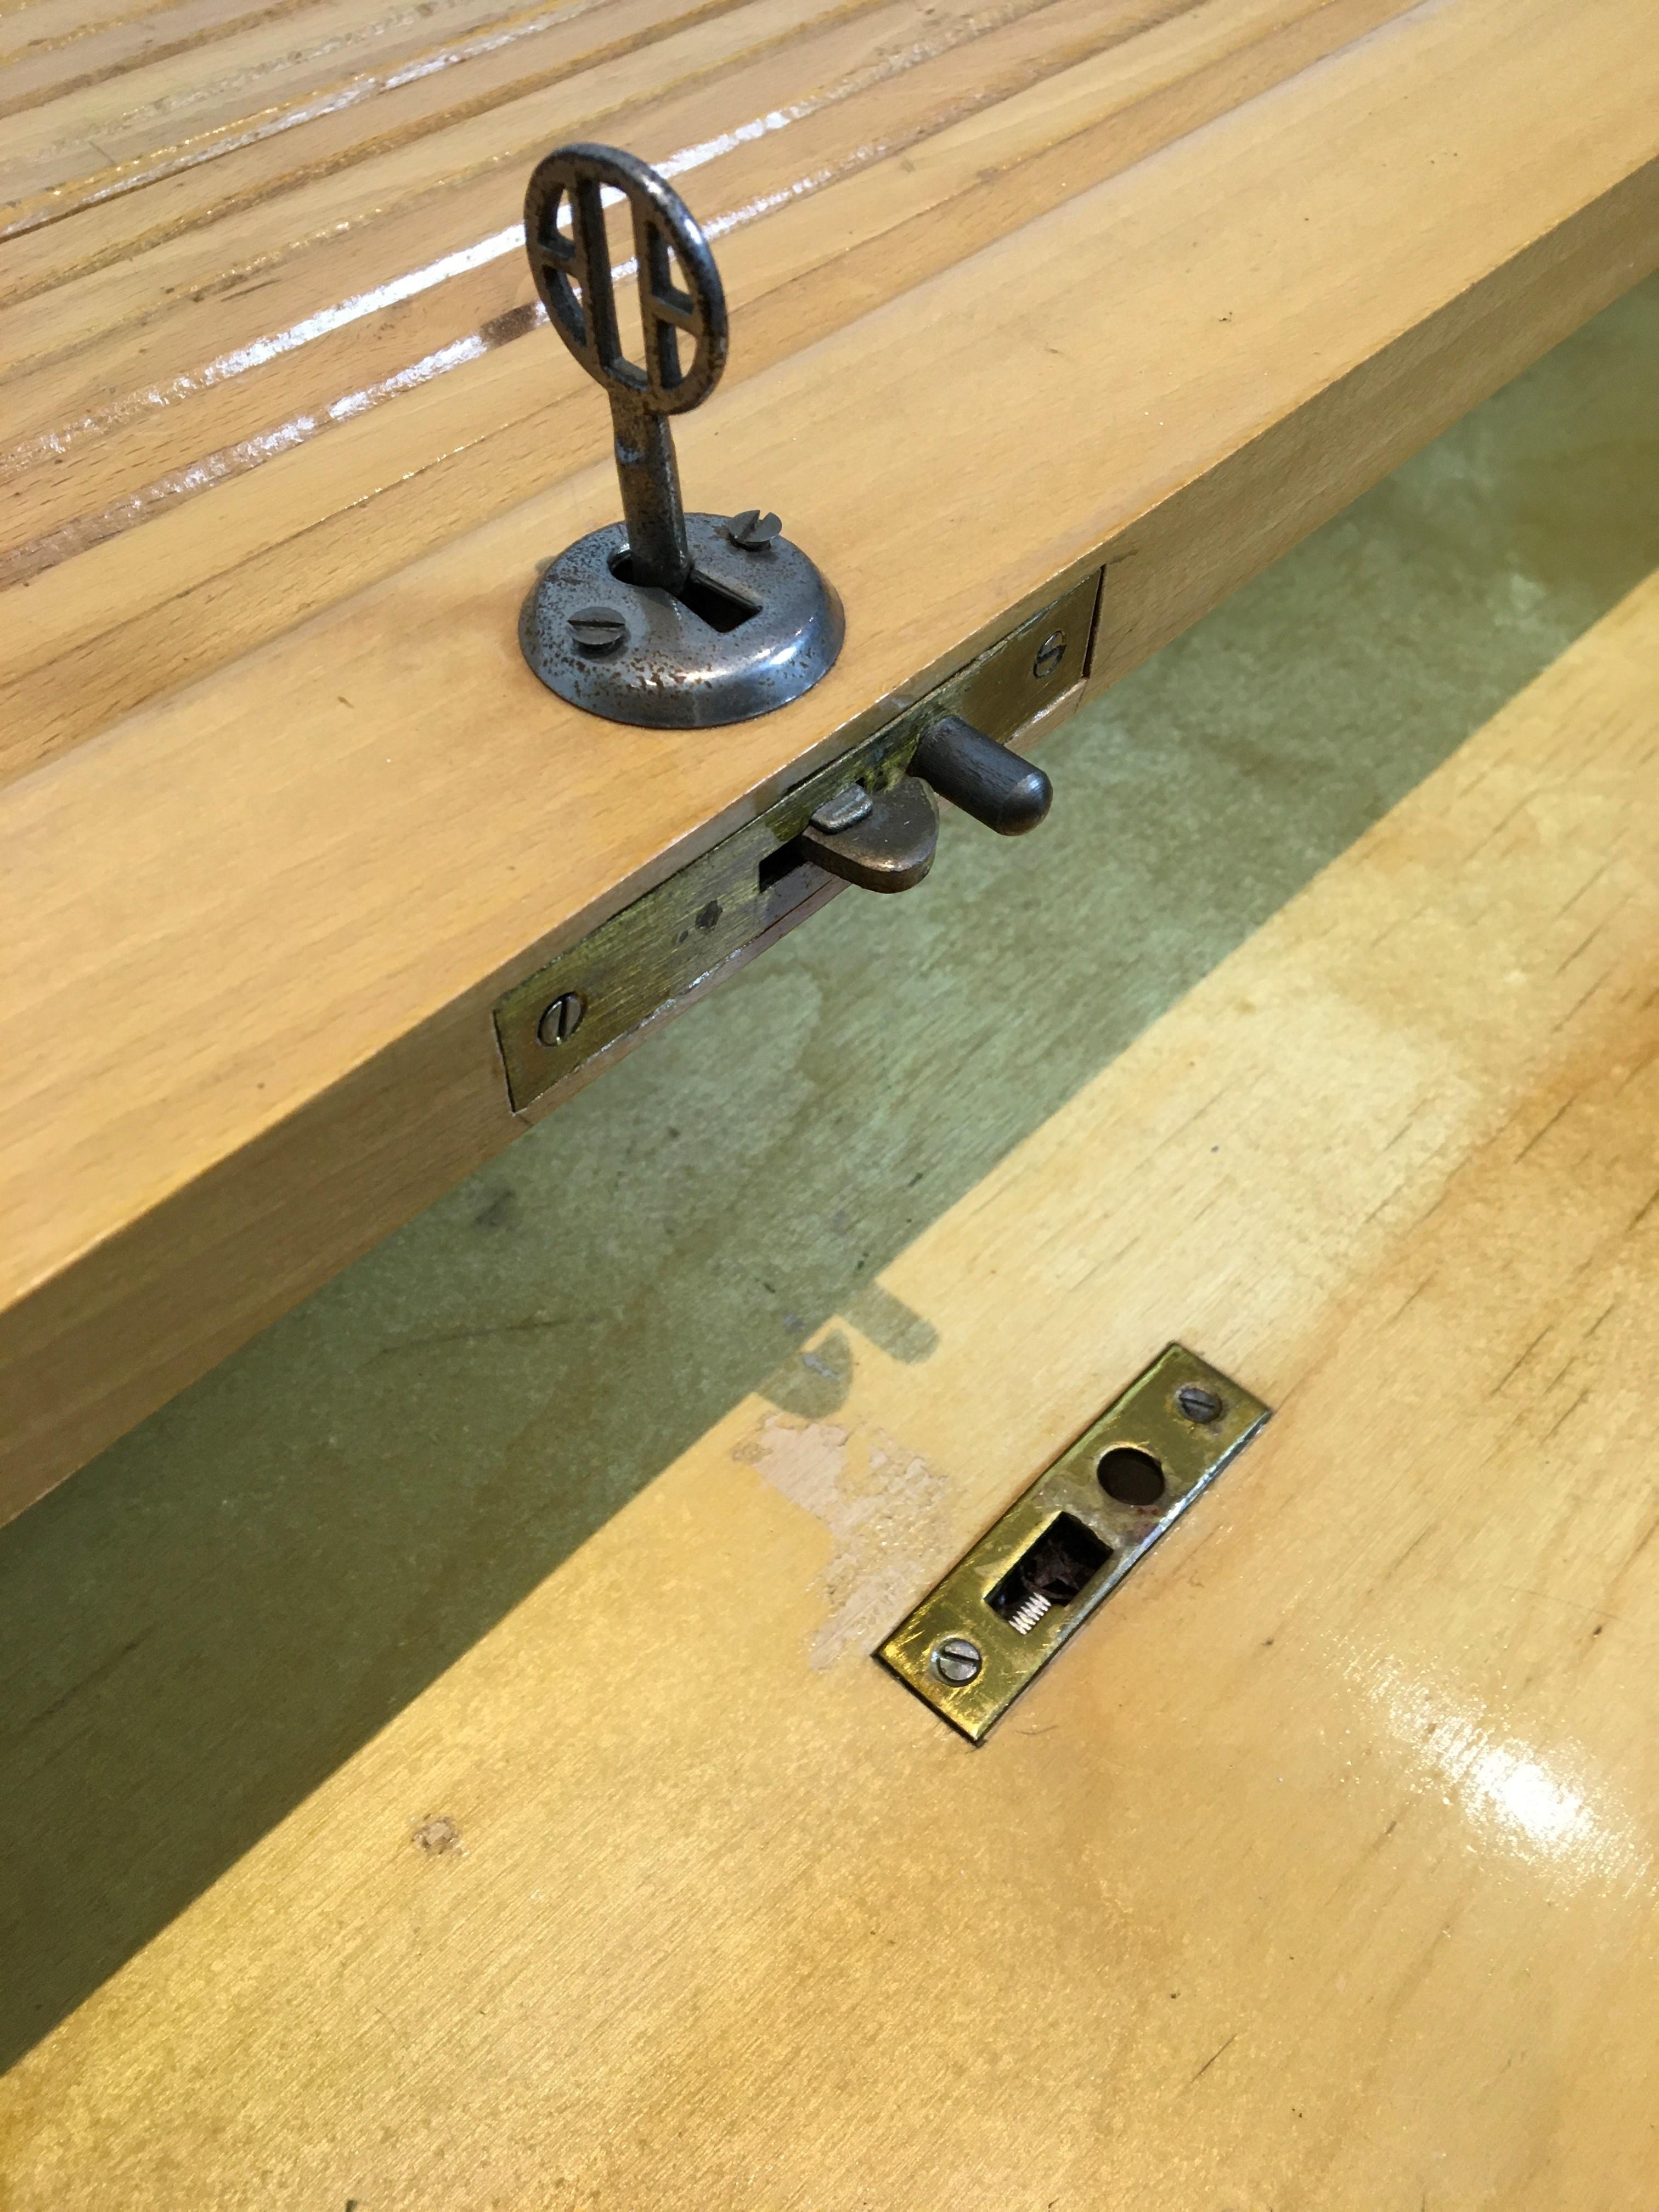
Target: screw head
957 1660
562 1018
752 530
1049 654
1197 1403
598 630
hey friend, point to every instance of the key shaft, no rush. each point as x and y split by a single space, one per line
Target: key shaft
653 512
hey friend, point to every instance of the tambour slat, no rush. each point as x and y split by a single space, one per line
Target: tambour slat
55 55
482 416
162 115
244 173
816 97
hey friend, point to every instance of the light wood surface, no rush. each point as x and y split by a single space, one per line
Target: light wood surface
1319 1871
126 393
288 814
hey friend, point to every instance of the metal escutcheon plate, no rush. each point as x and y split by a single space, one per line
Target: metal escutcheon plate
754 629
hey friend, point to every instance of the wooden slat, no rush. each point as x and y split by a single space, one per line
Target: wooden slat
380 174
146 329
252 937
46 250
160 116
460 448
38 27
56 55
1320 1869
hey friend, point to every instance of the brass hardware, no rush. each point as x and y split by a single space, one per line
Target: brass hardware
685 935
990 1627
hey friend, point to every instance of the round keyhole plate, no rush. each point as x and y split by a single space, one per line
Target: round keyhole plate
753 629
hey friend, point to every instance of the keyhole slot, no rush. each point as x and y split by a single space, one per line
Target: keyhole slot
722 610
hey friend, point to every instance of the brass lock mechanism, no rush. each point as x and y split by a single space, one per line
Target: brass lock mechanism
868 818
885 841
1062 1547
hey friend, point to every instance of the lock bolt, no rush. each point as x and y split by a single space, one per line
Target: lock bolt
983 778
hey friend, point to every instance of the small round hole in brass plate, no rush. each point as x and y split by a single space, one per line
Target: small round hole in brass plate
1133 1477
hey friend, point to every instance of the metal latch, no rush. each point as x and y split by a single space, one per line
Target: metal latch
671 619
862 815
1060 1550
885 841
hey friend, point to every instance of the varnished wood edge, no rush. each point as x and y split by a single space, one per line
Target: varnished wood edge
211 1264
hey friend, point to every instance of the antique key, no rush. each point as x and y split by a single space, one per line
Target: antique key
673 620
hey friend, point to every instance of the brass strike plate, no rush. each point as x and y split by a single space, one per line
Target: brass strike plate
1060 1550
686 934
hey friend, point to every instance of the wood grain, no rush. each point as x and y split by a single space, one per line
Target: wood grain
1319 1871
118 615
44 250
162 116
252 928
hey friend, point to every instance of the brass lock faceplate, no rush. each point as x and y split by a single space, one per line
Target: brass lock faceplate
1060 1550
678 939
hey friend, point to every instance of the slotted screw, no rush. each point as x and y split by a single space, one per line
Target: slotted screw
1197 1403
598 630
957 1660
752 530
562 1018
1049 654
